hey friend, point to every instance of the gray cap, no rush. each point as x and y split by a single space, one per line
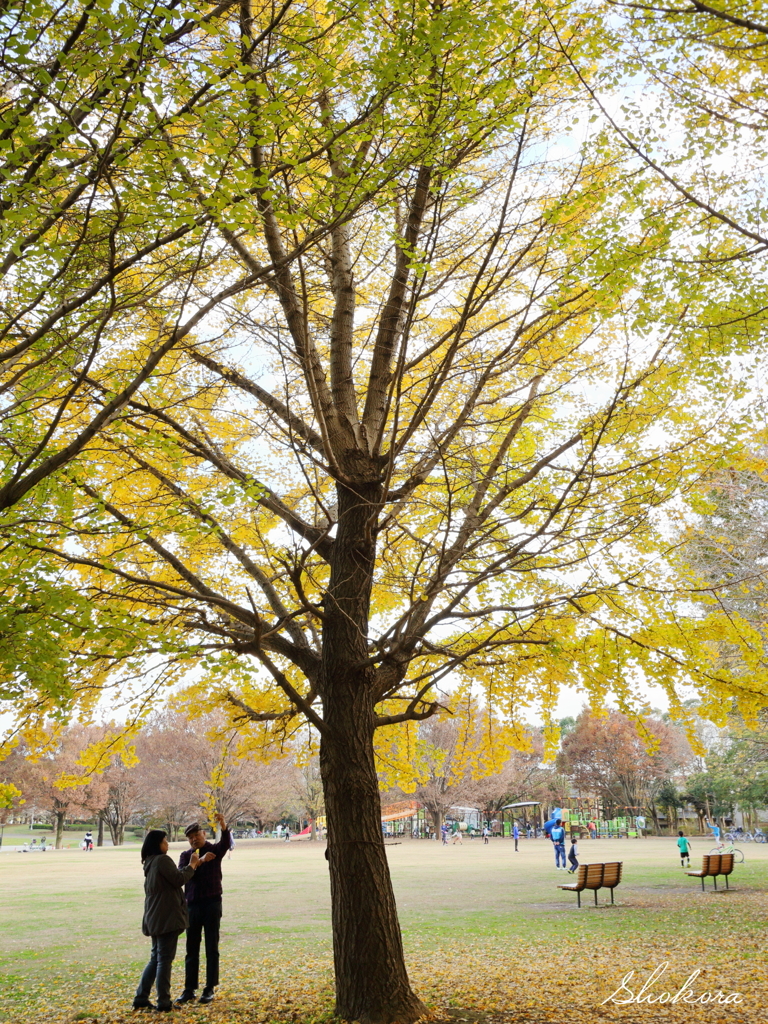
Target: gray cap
194 827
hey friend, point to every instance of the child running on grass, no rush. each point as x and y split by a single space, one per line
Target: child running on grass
573 855
685 849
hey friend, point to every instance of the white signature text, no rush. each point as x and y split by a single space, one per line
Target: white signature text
625 995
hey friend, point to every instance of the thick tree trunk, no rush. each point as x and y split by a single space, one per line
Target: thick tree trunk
371 980
116 829
60 815
100 836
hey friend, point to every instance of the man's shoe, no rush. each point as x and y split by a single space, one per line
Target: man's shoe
207 996
144 1006
187 996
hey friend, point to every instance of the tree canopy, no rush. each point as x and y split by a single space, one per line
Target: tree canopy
354 358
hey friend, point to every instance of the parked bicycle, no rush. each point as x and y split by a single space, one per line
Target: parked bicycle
753 837
738 855
738 835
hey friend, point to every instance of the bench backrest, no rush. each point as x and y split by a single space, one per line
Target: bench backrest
705 864
581 878
726 863
594 877
612 874
713 868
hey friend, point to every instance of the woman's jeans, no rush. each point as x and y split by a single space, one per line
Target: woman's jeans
158 971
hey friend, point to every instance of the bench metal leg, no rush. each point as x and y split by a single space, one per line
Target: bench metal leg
726 882
595 892
702 884
714 879
611 895
578 898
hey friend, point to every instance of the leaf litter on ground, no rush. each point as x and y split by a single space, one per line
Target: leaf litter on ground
563 977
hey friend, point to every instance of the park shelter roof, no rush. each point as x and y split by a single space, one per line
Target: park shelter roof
402 809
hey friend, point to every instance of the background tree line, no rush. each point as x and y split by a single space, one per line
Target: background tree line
180 769
175 772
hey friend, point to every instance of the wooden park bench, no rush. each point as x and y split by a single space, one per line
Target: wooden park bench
581 882
611 876
712 865
594 877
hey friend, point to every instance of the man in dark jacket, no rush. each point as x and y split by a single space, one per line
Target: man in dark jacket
203 893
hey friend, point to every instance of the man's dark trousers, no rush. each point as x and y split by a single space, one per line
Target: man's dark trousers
204 917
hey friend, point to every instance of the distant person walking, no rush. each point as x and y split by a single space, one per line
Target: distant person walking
557 835
486 834
457 835
685 849
88 841
515 835
165 917
573 855
444 833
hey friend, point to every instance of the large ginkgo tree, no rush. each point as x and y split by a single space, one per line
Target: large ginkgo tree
352 368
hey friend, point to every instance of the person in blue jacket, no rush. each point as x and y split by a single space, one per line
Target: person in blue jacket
558 838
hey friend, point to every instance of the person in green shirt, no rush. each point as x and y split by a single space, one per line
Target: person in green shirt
684 848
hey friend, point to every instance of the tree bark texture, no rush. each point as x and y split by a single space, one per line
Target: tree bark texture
60 815
371 980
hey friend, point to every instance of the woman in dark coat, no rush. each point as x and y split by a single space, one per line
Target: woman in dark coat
165 917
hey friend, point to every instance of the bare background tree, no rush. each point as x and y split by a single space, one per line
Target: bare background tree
607 757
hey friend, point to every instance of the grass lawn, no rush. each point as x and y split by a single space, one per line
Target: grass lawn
485 930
